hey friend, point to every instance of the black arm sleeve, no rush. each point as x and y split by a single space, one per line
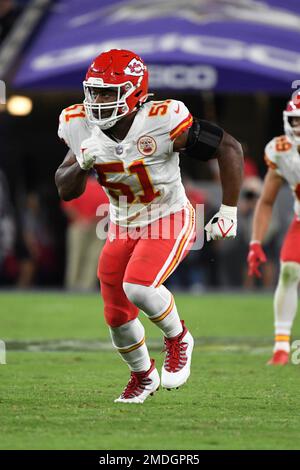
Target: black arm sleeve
203 140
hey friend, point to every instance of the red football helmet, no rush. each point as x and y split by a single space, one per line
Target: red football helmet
119 70
292 110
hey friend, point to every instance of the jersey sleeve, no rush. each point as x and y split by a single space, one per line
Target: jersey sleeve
274 152
63 129
71 127
180 119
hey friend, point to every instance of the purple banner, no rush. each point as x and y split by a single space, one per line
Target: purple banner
221 45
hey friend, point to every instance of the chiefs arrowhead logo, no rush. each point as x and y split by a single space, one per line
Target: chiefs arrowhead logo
146 145
135 67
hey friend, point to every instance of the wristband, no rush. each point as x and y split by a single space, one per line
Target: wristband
228 211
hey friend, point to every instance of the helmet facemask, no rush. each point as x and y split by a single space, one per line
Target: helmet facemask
119 108
290 130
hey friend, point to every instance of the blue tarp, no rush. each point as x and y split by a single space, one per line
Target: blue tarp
221 45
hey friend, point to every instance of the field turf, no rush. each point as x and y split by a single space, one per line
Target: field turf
61 377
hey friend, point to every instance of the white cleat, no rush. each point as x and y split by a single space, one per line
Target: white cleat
177 364
140 386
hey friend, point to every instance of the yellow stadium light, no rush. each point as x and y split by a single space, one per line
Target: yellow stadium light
19 105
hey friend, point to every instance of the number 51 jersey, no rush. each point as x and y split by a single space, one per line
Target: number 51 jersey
141 173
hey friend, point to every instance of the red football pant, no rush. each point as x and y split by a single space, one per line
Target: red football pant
290 250
145 260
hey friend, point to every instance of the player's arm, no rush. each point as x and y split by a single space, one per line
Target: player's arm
204 141
70 178
261 221
216 143
264 206
231 163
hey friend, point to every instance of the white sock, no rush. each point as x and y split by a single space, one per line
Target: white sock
158 305
129 339
285 304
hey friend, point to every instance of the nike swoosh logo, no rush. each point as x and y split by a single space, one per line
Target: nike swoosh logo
224 233
177 110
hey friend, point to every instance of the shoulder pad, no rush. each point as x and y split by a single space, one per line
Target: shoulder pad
67 119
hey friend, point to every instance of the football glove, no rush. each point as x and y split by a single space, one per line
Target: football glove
256 257
89 150
223 224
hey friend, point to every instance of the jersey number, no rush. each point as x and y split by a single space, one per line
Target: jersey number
116 189
75 111
282 144
159 108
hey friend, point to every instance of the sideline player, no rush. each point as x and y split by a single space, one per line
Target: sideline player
282 155
134 146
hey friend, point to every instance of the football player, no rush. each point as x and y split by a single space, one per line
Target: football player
134 146
283 159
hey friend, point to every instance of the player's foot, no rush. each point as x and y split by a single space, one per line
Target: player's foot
280 358
176 367
140 386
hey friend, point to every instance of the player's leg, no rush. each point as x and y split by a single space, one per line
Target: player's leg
127 332
286 294
153 260
158 305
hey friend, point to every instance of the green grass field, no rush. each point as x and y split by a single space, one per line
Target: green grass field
61 377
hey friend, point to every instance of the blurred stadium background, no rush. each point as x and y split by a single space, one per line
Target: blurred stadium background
230 61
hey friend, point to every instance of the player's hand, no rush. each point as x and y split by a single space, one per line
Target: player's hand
89 150
256 257
223 224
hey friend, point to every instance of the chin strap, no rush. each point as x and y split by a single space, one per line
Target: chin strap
142 101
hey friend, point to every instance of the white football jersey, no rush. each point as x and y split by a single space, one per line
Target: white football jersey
283 156
141 173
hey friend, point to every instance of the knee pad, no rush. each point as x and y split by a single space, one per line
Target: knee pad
289 273
136 293
148 298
